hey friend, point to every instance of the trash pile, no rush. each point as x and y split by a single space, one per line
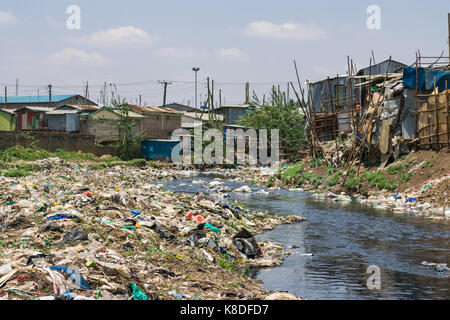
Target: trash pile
69 232
411 201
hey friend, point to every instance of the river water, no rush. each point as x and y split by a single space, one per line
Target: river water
338 242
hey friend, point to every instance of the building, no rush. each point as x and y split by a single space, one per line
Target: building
333 100
158 123
232 112
190 120
67 117
32 118
54 101
389 66
103 123
8 120
179 107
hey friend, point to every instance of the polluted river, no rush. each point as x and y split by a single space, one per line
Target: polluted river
332 250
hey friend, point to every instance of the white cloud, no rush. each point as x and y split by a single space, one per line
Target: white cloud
70 56
116 37
231 54
181 53
7 18
288 30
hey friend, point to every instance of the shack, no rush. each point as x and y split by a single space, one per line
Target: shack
7 120
232 112
158 123
103 123
32 118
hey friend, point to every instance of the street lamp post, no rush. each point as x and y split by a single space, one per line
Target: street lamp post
196 69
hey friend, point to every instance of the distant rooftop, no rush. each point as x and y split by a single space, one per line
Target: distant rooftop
37 99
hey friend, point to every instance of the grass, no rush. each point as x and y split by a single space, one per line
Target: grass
316 162
377 179
334 179
353 184
397 168
17 173
292 172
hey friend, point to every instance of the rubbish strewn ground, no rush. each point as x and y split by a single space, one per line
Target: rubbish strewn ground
76 231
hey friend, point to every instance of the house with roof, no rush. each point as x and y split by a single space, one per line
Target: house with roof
104 123
179 107
32 117
158 123
231 113
54 101
7 120
67 117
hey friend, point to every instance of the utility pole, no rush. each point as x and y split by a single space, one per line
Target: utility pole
165 84
17 87
49 93
247 92
86 93
195 69
6 96
140 99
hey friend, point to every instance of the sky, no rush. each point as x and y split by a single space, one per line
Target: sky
133 44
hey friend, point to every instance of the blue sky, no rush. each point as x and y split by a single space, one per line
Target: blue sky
135 43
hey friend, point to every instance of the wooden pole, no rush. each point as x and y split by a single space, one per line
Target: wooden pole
436 115
448 117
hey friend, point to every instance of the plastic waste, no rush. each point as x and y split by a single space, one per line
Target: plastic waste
212 228
78 278
246 244
74 235
136 292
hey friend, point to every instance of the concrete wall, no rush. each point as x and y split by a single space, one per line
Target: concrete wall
51 141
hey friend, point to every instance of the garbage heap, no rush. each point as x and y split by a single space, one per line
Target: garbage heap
74 233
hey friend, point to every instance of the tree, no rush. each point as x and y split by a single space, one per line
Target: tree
129 144
277 113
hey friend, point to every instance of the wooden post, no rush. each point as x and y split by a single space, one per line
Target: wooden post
448 117
416 129
436 116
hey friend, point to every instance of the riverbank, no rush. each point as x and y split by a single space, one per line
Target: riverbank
120 237
416 184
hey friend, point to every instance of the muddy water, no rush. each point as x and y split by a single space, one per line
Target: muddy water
338 242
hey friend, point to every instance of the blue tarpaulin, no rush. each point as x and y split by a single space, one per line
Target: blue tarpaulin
425 78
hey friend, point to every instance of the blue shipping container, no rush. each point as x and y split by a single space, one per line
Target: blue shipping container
158 149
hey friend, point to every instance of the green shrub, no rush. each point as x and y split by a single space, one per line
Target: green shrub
353 184
316 162
334 179
292 172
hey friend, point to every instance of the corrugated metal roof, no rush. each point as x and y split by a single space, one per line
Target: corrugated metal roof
81 107
37 108
59 112
131 114
8 111
37 99
154 109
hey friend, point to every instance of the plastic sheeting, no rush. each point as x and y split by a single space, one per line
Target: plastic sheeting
425 78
